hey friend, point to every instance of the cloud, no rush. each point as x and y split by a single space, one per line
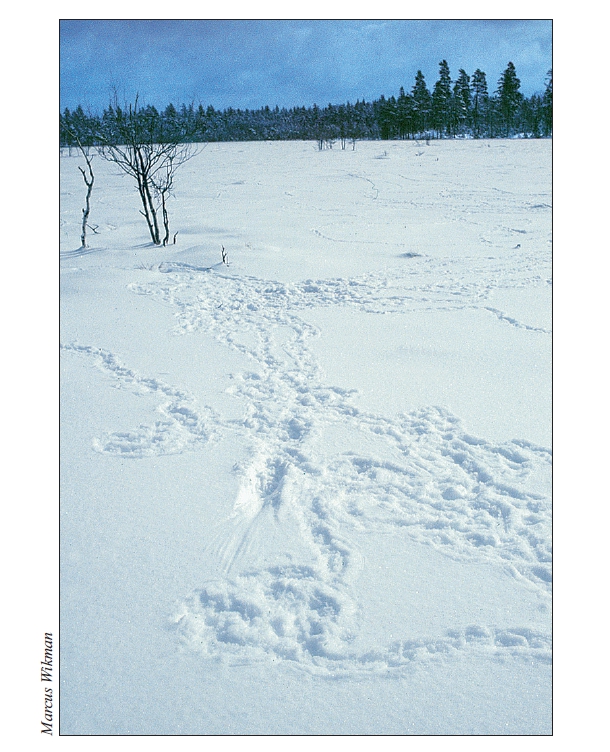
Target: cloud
290 63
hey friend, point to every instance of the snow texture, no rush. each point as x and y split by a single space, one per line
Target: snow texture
324 483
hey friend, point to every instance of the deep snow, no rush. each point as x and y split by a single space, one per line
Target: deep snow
309 493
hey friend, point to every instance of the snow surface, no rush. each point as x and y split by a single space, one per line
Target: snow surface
309 492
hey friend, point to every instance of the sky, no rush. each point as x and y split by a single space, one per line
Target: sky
250 64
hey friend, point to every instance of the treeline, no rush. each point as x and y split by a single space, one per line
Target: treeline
452 108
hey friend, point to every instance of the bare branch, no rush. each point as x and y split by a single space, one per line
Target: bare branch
89 179
133 140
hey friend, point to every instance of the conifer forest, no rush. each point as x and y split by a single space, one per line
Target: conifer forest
461 107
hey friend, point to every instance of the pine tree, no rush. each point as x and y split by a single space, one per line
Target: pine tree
442 101
387 117
170 122
547 105
464 106
462 98
66 134
530 116
422 103
509 97
480 101
404 107
81 126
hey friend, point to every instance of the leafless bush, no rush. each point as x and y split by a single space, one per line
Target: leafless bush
134 140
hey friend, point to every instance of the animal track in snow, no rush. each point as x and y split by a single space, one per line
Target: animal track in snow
184 425
465 496
515 322
287 613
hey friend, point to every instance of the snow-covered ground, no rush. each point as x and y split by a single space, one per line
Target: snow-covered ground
309 492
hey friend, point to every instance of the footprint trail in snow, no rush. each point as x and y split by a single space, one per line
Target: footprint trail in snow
184 424
420 473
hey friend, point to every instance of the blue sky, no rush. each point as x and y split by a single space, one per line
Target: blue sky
249 64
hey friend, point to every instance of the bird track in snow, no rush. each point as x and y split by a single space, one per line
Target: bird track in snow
427 477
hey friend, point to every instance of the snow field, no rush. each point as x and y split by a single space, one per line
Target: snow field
358 499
